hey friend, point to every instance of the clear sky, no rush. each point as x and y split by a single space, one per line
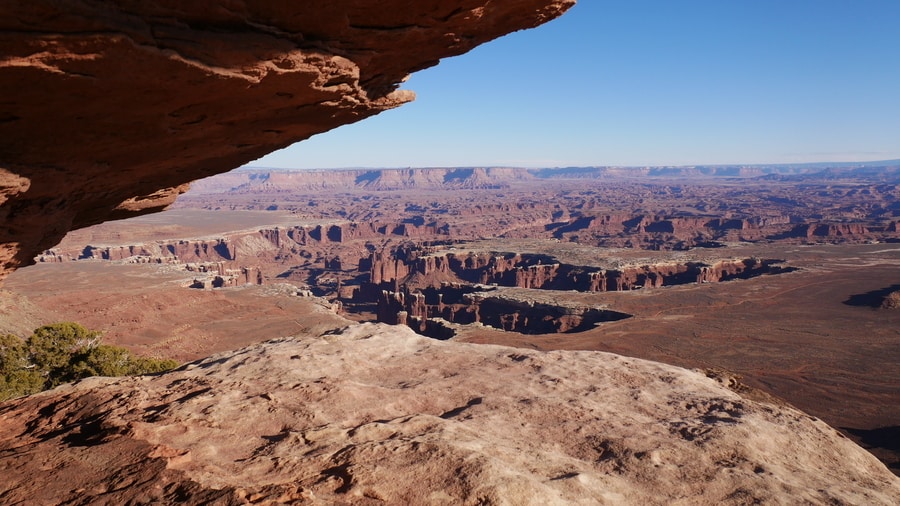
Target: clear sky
648 82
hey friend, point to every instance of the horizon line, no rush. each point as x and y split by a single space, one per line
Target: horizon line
891 161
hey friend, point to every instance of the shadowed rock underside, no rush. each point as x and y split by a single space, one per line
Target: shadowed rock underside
108 109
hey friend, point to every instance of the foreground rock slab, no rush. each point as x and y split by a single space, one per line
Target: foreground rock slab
373 414
108 108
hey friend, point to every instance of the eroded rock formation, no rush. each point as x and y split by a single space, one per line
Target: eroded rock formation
462 304
339 419
415 284
628 208
410 266
218 275
109 108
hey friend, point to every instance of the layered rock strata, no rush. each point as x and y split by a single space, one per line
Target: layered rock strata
378 415
109 108
461 304
240 245
405 266
627 207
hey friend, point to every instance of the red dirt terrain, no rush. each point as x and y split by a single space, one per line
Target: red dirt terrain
784 279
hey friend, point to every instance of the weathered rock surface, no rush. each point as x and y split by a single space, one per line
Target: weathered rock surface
108 109
375 414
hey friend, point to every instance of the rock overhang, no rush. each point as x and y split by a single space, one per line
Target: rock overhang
109 109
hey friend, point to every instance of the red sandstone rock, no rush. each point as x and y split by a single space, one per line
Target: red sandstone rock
109 108
408 266
338 419
616 211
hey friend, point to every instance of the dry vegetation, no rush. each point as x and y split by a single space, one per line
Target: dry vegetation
65 352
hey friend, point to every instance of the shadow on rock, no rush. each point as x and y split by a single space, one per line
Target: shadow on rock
882 438
875 298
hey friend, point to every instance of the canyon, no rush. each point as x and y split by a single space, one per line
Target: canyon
421 288
325 255
373 240
532 287
610 207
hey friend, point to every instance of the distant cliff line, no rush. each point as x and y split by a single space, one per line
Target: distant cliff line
253 179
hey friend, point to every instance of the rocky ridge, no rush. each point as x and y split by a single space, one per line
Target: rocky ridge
260 180
286 181
373 414
110 108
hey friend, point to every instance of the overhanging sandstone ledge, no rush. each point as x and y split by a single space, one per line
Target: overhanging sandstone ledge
108 108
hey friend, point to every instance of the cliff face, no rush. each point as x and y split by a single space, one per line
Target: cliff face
340 419
108 109
410 267
274 181
459 304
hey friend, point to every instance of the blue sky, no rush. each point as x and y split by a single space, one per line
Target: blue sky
648 82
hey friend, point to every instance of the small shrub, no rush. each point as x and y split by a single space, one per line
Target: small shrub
891 300
53 348
101 360
13 353
18 376
64 352
147 365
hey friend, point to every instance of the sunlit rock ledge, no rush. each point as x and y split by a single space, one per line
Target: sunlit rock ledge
375 414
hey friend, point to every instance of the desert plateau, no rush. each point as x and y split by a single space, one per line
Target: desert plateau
480 335
796 320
